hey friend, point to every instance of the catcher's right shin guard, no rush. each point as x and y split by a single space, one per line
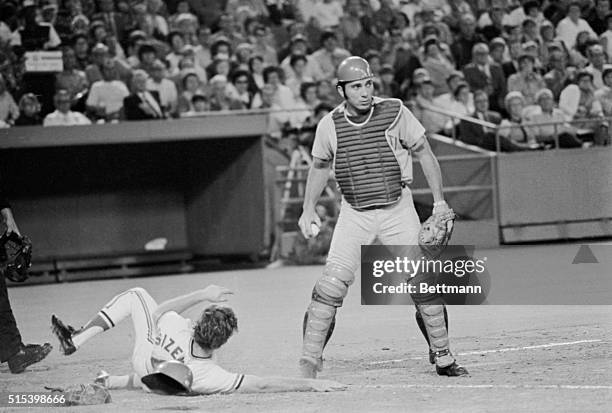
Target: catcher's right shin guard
327 295
434 320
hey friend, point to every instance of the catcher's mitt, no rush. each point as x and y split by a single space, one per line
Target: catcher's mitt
436 232
83 394
15 256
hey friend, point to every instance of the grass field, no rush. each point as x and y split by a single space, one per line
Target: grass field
522 358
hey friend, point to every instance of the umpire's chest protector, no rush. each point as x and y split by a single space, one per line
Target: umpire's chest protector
366 168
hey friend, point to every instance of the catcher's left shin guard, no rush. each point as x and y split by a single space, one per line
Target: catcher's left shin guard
435 326
421 324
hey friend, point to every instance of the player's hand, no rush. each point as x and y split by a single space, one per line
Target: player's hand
327 385
441 208
308 218
216 294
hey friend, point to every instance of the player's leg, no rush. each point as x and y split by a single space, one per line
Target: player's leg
400 226
352 230
135 303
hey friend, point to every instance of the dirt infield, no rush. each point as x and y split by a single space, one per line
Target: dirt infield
521 358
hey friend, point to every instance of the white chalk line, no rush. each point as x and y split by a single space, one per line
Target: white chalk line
498 350
487 386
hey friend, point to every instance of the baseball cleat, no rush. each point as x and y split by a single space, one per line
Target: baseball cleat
64 335
102 378
27 355
452 370
309 368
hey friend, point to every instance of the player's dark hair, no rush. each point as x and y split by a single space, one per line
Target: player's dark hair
215 327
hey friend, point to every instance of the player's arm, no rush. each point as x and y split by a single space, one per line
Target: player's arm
315 184
256 384
431 168
212 293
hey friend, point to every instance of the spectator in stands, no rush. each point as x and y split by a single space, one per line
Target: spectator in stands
244 89
220 98
305 105
100 57
558 77
597 59
327 13
299 46
464 43
517 136
243 53
116 23
190 86
200 105
202 50
606 38
527 80
577 101
578 54
474 133
323 57
71 79
462 104
168 94
9 111
63 116
175 39
433 122
497 50
515 49
142 104
29 111
428 18
604 94
80 46
596 18
34 35
326 93
438 66
97 32
491 23
283 96
147 55
388 86
350 23
570 26
256 68
548 113
299 63
263 48
482 74
278 119
105 99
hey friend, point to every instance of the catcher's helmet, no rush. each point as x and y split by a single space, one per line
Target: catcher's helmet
170 377
352 69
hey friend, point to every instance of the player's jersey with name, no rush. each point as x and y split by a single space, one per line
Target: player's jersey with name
175 341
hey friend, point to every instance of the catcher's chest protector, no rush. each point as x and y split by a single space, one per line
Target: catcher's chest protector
366 167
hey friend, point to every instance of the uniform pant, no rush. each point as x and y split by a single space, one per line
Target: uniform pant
397 224
10 339
139 305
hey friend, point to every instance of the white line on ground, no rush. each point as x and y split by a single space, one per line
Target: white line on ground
485 386
498 350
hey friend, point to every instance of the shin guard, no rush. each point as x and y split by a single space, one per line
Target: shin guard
433 316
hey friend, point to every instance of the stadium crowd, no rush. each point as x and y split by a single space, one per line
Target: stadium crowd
506 62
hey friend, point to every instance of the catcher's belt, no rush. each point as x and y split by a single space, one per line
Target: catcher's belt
15 256
365 166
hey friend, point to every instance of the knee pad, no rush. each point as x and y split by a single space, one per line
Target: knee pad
332 287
